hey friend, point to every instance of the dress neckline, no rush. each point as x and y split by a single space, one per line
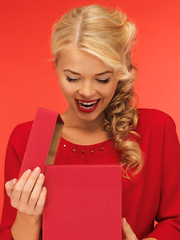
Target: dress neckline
103 143
106 142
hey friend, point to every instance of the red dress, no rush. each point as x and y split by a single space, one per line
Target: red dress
153 194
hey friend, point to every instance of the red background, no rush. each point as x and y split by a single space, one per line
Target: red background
27 80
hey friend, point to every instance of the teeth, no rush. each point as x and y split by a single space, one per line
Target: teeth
87 104
87 107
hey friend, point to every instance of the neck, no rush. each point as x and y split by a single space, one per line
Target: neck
72 121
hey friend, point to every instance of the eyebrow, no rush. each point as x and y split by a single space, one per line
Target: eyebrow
98 74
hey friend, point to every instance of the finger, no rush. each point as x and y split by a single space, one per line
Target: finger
16 193
41 201
27 189
130 235
36 192
9 186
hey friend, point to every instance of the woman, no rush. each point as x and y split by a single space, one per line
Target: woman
91 46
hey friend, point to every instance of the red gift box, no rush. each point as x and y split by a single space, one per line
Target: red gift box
84 202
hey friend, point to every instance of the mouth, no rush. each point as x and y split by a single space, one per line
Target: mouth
88 104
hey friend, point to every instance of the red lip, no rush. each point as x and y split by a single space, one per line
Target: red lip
88 101
87 110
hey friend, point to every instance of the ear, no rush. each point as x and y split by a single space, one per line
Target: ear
54 65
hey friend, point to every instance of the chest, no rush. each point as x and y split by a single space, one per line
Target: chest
74 136
84 138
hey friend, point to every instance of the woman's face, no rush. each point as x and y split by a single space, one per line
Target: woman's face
84 77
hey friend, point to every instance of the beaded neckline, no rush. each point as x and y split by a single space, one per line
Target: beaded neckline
106 142
65 141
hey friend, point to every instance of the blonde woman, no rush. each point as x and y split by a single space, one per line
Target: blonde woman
91 46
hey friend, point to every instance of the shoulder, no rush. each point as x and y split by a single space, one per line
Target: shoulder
154 119
18 141
154 115
19 136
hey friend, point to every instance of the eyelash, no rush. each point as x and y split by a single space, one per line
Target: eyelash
73 80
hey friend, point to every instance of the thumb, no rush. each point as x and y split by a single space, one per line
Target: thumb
128 232
9 186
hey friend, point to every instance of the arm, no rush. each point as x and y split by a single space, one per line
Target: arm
26 227
12 220
168 216
11 170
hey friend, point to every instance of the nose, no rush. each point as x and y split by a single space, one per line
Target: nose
87 90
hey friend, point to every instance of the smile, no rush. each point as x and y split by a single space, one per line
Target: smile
87 106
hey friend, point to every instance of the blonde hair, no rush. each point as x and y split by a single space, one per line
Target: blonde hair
106 33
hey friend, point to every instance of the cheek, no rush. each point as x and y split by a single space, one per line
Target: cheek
67 90
109 91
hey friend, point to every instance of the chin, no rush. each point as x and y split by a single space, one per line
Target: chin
88 117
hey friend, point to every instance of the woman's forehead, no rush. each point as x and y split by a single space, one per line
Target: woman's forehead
71 57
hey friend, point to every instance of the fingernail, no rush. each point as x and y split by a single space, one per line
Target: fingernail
41 176
37 169
28 172
124 220
13 181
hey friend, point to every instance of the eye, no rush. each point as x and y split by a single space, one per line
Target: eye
71 79
104 81
74 79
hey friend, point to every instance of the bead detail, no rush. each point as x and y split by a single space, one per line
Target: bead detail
102 148
92 151
74 150
64 145
82 151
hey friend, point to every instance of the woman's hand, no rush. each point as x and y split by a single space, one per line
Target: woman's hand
28 194
128 232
